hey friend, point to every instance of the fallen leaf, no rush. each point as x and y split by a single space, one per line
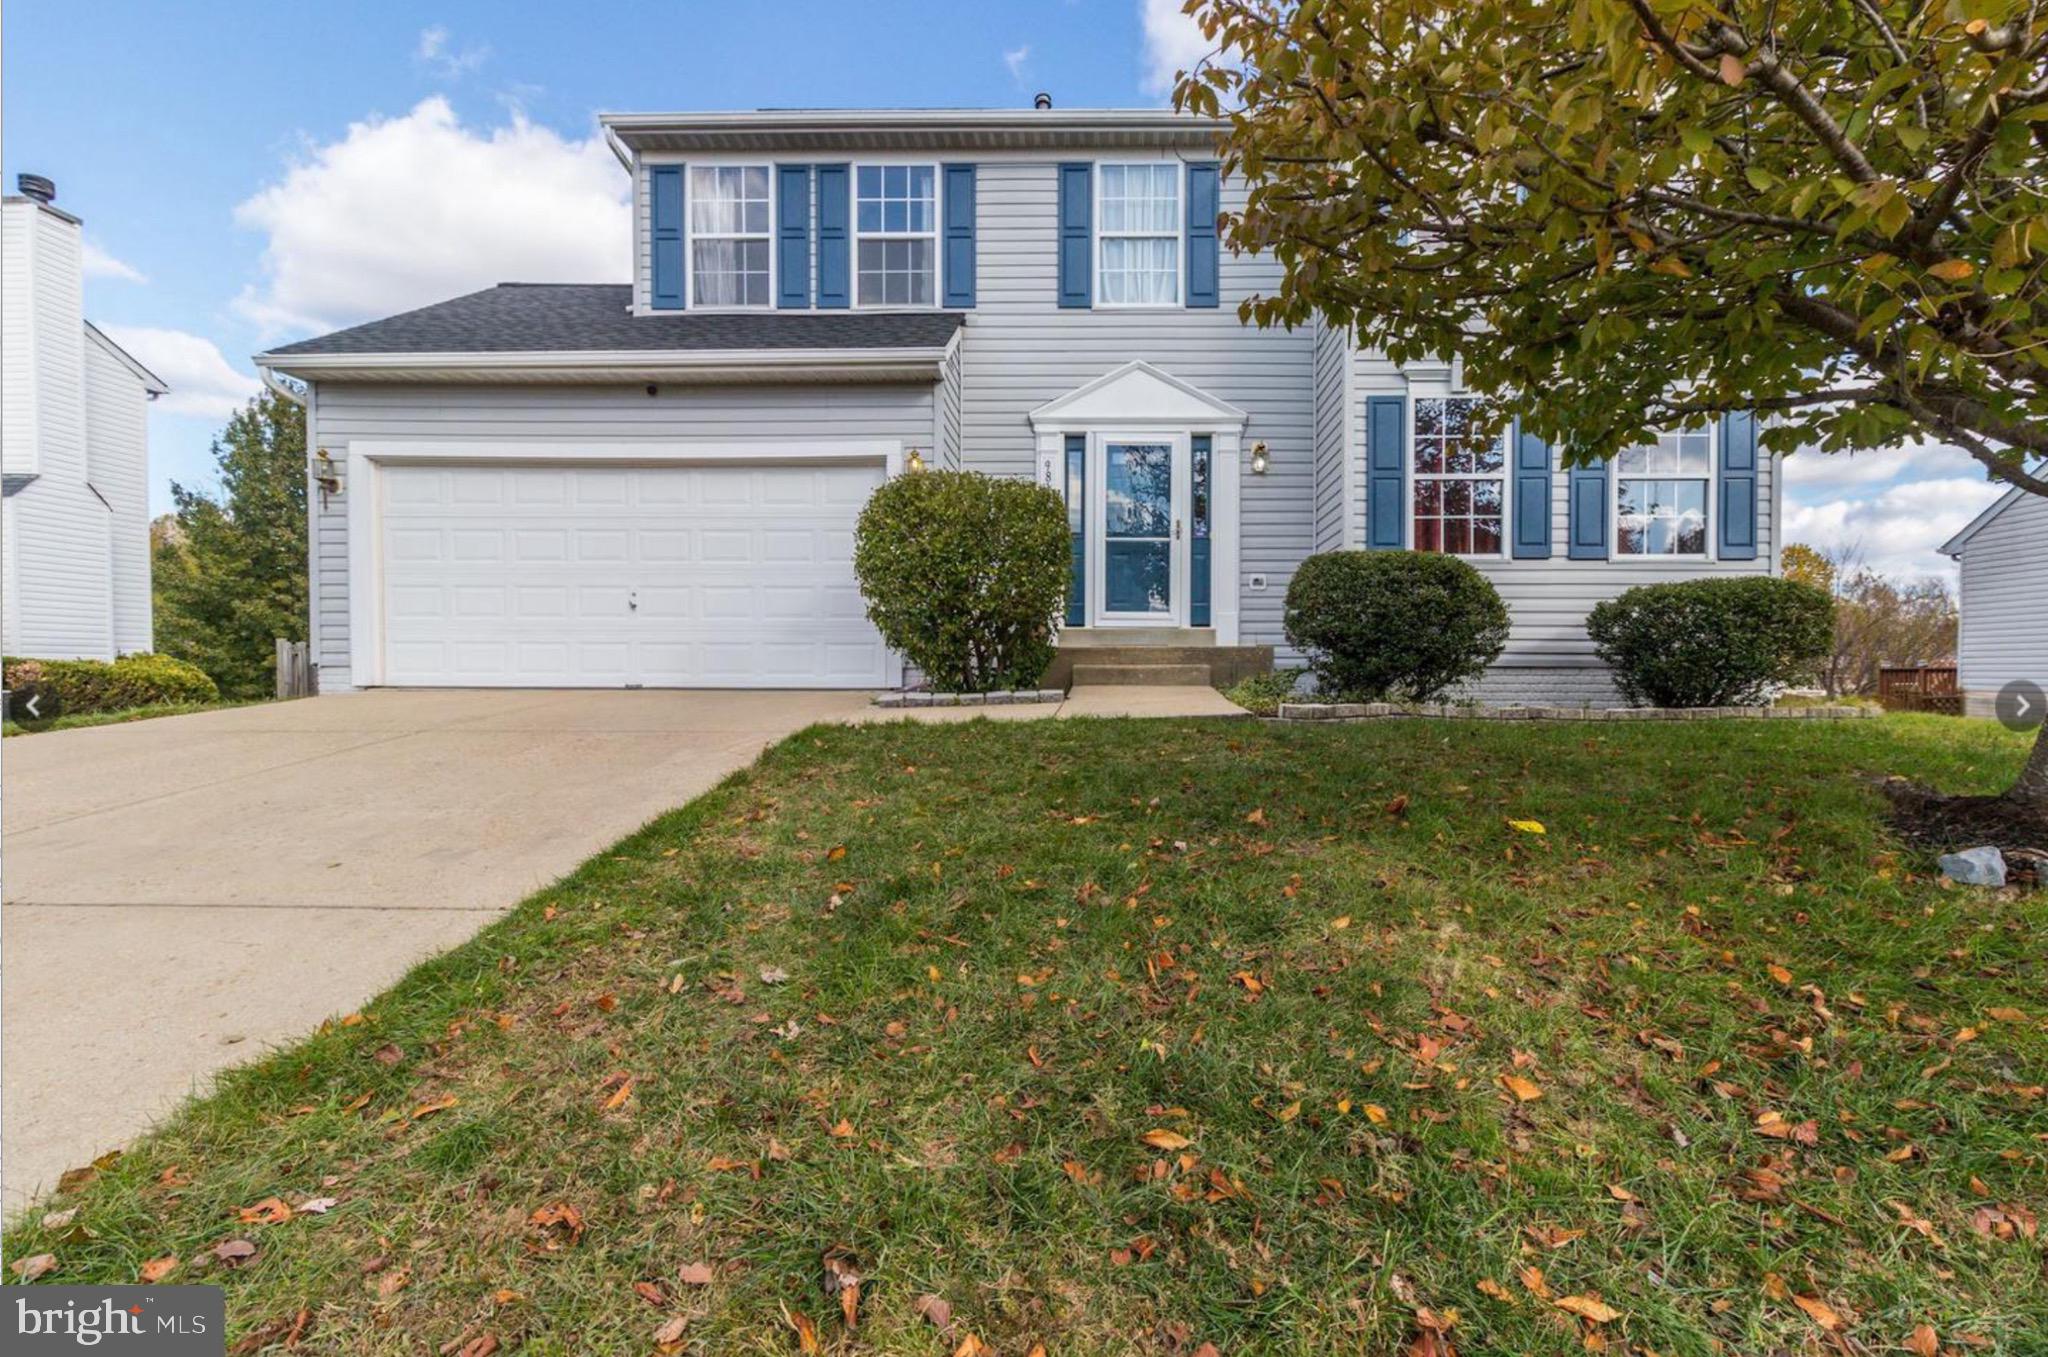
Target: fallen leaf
1820 1312
1589 1308
970 1346
1257 817
1532 1278
483 1345
620 1096
935 1311
1780 974
1528 826
670 1333
1489 1287
317 1206
34 1266
234 1252
1525 1090
1009 1154
695 1274
806 1332
57 1220
1924 1342
440 1104
774 975
269 1211
1161 1139
1289 1112
393 1282
651 1292
156 1269
844 1130
1375 1114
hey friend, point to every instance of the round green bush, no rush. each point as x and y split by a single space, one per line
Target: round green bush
86 686
964 575
1712 643
1379 624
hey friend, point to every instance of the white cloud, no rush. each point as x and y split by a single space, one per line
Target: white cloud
1899 530
401 212
1015 58
1172 44
433 51
201 379
1819 471
97 263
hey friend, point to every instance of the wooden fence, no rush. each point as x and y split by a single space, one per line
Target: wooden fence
294 668
1928 687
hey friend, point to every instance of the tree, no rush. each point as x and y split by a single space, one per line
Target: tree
230 572
1879 621
1632 214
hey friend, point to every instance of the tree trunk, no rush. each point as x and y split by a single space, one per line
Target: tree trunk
2032 787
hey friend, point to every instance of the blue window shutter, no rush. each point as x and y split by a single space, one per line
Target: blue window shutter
1532 497
666 219
959 235
835 267
1077 532
1077 234
793 236
1386 472
1200 448
1587 510
1203 206
1738 486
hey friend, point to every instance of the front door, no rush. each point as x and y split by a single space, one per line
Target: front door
1141 514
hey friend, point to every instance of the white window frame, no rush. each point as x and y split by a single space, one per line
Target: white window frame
1178 234
856 235
1712 479
691 235
1415 475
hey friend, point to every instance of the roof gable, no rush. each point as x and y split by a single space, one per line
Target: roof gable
1137 393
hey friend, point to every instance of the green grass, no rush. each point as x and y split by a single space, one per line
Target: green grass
117 718
1317 953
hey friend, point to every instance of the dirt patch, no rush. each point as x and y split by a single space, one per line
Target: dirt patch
1929 820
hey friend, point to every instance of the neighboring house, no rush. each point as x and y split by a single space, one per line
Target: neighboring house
656 483
2001 630
74 451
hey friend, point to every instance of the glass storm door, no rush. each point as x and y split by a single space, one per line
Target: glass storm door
1142 576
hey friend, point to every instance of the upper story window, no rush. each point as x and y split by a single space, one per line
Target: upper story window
1460 479
896 222
1661 495
729 235
1139 223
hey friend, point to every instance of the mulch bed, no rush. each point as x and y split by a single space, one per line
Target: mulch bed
1929 820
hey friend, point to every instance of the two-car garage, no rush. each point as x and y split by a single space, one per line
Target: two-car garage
524 573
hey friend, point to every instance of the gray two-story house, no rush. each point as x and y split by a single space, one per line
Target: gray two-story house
656 483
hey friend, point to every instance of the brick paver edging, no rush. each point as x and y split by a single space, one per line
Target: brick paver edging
1022 695
1368 711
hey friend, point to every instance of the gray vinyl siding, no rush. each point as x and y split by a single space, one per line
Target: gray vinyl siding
1548 600
1021 350
1332 413
2004 633
117 452
507 415
949 444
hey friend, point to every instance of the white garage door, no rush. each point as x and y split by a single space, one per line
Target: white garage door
502 575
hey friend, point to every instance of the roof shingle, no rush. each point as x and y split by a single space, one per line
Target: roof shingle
597 317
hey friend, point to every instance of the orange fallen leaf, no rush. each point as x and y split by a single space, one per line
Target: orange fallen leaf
1257 817
156 1269
806 1333
440 1104
695 1274
1525 1090
1780 974
1375 1114
619 1096
1924 1342
1161 1139
844 1130
1489 1287
1589 1308
269 1211
1820 1312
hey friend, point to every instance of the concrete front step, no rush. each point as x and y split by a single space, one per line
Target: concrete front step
1133 638
1222 665
1091 674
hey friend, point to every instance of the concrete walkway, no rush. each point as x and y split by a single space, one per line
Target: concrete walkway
181 894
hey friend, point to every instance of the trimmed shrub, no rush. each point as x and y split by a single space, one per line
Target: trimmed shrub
1712 643
964 575
1262 694
86 686
1406 624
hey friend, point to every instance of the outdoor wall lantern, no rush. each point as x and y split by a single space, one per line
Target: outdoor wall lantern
1259 458
325 476
913 461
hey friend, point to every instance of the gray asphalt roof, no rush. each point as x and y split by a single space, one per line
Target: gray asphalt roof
595 317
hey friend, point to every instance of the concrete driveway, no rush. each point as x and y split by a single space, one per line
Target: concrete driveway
182 893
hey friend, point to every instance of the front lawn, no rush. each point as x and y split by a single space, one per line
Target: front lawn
122 717
1130 1037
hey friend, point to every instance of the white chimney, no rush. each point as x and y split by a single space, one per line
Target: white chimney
42 334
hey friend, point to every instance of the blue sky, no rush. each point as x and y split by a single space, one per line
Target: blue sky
253 173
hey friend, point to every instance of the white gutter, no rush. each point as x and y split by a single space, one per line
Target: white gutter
277 387
602 360
896 119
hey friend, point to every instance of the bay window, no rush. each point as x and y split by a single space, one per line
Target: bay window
896 220
729 235
1139 225
1661 493
1460 478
